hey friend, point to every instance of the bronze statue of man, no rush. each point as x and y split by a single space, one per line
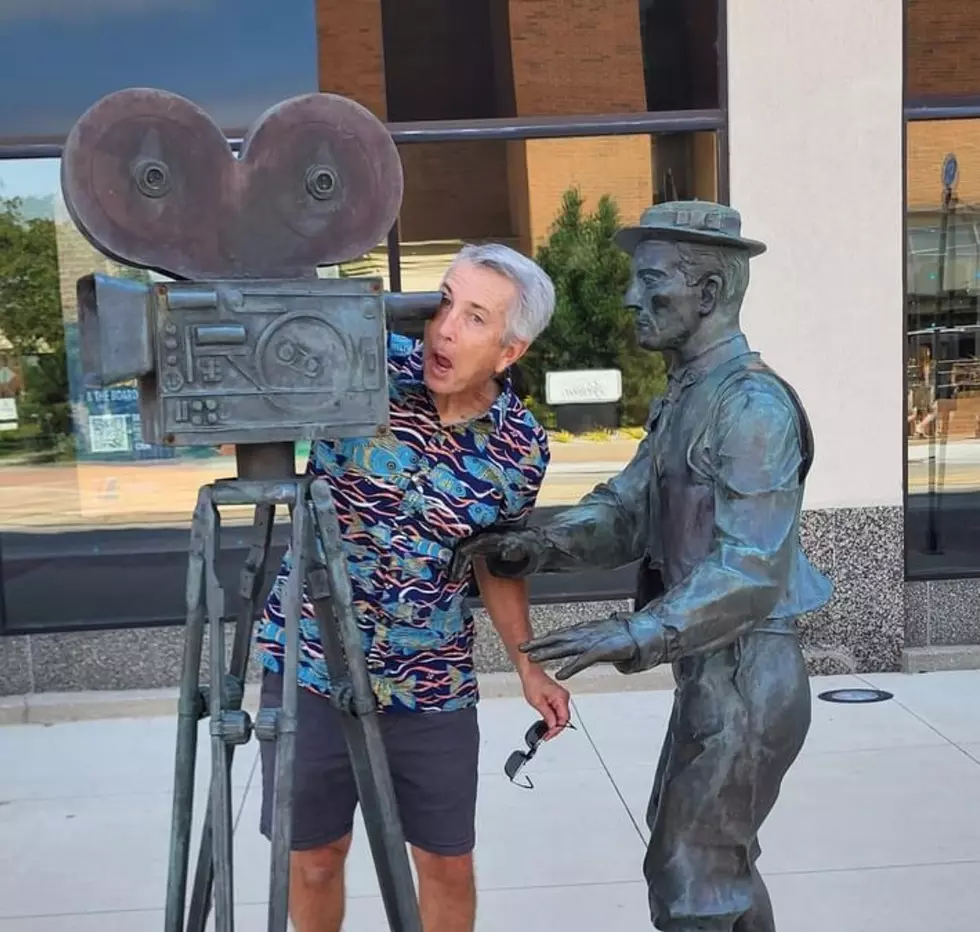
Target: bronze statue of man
710 506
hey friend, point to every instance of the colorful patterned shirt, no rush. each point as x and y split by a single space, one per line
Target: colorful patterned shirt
404 501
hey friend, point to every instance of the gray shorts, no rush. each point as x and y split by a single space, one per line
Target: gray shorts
433 758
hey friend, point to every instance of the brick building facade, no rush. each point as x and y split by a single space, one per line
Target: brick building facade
943 61
441 60
943 48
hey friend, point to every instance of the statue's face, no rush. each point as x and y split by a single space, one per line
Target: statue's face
667 310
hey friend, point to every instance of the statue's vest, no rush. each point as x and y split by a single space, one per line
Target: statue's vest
681 496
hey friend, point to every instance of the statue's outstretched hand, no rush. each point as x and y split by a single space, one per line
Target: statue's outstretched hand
509 554
607 640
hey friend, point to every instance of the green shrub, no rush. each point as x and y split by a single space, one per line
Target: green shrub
591 329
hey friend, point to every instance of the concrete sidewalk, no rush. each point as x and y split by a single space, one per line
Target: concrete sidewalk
878 825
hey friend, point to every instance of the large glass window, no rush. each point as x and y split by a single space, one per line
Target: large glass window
90 515
942 310
93 521
943 348
548 198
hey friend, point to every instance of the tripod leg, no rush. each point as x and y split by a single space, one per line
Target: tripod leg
188 715
285 725
220 809
330 591
253 574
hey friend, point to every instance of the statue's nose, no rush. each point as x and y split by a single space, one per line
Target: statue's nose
633 298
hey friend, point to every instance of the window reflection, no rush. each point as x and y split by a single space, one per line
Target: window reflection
72 455
943 347
582 189
93 520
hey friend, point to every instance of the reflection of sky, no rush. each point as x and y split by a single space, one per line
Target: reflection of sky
29 177
234 58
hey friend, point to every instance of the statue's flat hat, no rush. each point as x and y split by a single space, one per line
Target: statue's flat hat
700 222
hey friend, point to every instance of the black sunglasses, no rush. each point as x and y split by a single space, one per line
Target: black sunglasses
518 759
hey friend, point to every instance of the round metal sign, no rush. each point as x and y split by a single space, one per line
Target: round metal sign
951 170
855 694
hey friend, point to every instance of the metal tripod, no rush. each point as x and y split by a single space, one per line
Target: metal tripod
267 479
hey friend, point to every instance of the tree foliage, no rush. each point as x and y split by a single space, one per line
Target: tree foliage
30 316
590 328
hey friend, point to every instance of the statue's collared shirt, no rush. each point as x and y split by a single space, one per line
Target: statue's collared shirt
404 501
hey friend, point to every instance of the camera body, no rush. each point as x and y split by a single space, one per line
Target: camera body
242 361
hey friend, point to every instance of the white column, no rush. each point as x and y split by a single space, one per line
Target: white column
815 96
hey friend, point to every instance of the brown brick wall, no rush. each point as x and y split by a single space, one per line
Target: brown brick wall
928 145
351 52
566 57
943 47
572 57
615 165
576 56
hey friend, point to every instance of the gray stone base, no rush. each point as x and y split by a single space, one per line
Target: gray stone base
864 629
942 613
940 659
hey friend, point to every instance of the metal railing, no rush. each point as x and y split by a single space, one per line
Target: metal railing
933 108
504 128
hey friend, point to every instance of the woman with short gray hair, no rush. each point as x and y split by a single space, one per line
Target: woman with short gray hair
462 454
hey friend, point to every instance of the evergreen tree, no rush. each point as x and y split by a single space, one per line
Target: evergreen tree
591 329
30 318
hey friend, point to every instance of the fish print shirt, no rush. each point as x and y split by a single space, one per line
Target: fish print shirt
404 500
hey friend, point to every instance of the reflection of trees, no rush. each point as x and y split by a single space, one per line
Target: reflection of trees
30 319
591 329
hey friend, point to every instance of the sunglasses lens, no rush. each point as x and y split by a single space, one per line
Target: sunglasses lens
514 764
536 733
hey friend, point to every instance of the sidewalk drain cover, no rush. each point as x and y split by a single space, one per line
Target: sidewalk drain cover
855 695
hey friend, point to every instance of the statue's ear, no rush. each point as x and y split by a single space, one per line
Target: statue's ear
710 290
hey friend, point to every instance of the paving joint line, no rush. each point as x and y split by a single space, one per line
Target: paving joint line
507 888
248 787
870 867
863 678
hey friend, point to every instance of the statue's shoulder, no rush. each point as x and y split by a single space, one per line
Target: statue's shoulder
750 379
755 397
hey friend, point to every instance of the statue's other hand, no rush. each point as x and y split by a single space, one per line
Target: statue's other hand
607 640
509 554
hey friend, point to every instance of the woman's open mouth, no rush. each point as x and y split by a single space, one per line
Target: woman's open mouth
441 364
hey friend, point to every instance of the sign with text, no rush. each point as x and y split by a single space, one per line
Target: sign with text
8 414
583 387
